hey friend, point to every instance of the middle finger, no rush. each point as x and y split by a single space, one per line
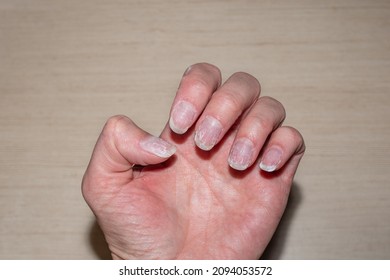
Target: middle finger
236 95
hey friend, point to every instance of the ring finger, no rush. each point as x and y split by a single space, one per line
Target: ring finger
265 116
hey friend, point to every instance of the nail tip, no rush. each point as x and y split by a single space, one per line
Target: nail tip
175 128
267 168
158 147
167 153
203 147
170 152
200 143
238 167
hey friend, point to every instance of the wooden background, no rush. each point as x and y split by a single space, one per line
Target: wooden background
67 65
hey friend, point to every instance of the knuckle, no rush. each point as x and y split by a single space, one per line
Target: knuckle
292 133
211 68
262 123
270 101
296 137
199 71
115 124
276 107
206 67
249 79
196 84
231 103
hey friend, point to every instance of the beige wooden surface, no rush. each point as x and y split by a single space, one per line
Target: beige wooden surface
66 66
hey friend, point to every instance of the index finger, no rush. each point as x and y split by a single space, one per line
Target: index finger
197 85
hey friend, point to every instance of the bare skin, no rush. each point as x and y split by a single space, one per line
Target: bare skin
197 191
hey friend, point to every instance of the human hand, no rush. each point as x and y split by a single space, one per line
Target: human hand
197 191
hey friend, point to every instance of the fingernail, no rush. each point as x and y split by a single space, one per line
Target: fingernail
271 159
182 117
158 147
241 154
208 133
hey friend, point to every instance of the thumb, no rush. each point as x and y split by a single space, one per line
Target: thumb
121 145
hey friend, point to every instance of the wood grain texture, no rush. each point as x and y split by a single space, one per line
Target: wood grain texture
66 66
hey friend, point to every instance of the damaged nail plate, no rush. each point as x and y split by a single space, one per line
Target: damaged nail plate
182 117
241 154
271 159
158 147
208 133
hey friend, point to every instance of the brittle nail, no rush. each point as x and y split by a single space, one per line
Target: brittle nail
158 147
241 154
271 159
182 117
208 133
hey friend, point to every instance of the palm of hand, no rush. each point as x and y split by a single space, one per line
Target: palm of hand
193 205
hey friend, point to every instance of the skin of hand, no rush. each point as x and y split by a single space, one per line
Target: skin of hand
214 185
